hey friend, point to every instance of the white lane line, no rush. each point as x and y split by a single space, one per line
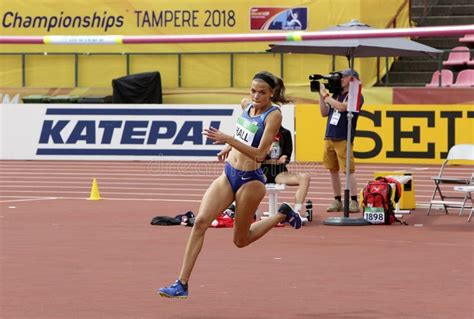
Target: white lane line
315 179
105 198
103 178
422 243
167 182
113 164
115 193
145 163
190 174
85 187
214 169
136 199
15 189
209 168
264 201
115 181
177 171
26 200
179 186
155 199
48 173
156 165
46 177
199 170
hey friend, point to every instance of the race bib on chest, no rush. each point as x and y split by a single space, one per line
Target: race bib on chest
374 215
335 117
245 131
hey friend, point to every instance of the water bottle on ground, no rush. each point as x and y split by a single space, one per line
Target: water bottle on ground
309 210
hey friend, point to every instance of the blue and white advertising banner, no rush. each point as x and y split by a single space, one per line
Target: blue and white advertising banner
116 132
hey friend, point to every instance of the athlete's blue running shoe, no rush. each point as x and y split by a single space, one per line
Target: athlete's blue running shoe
292 217
176 290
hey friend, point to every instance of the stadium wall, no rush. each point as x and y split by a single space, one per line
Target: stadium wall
141 17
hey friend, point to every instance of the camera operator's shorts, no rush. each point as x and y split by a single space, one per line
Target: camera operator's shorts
334 157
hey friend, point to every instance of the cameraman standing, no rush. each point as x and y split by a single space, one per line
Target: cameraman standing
335 145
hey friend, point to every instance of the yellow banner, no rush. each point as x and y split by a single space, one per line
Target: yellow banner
91 17
420 134
189 17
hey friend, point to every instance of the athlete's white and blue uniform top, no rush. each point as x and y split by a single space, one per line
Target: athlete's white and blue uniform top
249 131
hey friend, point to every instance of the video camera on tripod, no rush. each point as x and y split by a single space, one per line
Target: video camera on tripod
332 82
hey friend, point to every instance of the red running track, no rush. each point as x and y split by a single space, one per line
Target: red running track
66 257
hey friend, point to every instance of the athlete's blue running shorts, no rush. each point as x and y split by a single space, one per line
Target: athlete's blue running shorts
238 178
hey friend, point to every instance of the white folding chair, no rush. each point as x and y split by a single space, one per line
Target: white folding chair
456 153
467 190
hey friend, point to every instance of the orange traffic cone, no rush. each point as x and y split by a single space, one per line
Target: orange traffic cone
95 195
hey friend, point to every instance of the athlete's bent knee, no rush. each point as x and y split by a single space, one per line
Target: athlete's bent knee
241 242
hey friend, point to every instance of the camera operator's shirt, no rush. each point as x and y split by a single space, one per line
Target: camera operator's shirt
336 128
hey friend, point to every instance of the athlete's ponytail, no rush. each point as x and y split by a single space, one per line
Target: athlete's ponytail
279 92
